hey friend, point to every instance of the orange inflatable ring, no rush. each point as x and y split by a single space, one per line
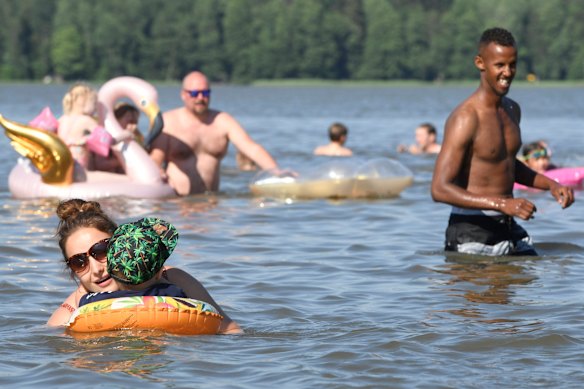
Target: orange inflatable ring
175 315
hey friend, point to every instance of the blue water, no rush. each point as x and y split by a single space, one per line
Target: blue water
352 293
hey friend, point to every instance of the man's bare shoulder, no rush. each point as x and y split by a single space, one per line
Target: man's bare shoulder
173 114
463 117
320 150
221 118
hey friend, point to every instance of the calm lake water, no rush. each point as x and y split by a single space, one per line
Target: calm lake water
330 293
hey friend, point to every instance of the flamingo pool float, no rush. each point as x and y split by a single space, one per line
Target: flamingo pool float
48 169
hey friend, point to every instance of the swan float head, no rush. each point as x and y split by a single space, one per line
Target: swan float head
142 94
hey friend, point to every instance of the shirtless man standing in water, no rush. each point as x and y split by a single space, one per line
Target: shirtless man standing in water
195 139
477 166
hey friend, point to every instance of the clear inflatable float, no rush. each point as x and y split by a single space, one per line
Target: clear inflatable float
336 178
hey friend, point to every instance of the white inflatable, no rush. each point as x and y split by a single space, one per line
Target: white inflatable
48 169
336 178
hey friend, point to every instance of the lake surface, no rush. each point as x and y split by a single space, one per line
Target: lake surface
352 293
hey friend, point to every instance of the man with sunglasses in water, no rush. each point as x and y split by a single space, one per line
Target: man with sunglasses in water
477 165
195 139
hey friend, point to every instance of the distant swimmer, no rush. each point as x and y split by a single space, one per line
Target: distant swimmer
477 167
537 156
338 133
426 137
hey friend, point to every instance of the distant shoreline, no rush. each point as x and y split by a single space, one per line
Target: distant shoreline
333 83
405 83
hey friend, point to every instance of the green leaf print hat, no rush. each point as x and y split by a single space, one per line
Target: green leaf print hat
138 250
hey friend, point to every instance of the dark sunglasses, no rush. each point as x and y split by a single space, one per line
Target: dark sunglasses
78 262
195 92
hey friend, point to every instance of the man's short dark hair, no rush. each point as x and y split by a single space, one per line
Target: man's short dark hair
497 35
336 131
430 128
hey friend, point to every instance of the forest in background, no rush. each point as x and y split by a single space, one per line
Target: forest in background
240 41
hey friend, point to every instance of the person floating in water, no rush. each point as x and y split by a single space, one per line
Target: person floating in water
338 134
477 166
537 156
77 123
136 254
426 136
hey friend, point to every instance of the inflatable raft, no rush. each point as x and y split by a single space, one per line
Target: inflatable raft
337 178
569 176
47 170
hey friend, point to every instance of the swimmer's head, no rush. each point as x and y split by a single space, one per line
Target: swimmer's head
536 156
337 131
137 251
81 97
425 135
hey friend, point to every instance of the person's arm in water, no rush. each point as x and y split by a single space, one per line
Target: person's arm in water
63 313
244 143
194 289
528 177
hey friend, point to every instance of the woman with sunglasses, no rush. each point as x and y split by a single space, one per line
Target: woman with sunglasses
84 231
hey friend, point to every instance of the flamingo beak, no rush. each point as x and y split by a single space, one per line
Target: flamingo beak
156 123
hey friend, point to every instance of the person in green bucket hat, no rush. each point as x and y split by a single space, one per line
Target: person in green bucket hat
136 254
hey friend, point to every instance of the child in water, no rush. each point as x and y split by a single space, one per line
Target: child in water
78 121
127 116
537 156
136 254
338 134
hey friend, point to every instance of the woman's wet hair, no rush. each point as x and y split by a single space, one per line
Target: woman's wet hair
75 214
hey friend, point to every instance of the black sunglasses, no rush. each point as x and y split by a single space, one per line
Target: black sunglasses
78 262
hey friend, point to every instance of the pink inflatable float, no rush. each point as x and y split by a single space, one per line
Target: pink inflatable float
48 169
568 176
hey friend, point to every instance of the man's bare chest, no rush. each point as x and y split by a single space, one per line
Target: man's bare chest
498 137
198 141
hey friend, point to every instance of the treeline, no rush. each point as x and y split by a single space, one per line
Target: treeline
246 40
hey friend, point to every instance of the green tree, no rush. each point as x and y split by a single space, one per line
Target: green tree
270 45
117 37
171 38
72 50
417 37
209 53
13 62
454 51
552 47
383 42
67 53
355 35
283 48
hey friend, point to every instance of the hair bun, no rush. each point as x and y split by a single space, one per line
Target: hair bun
71 208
